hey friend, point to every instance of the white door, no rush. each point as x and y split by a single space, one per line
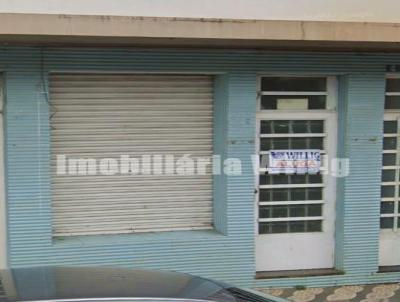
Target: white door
295 213
389 251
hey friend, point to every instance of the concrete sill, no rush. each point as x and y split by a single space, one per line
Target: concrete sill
298 273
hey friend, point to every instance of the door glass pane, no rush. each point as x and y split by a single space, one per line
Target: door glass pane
387 191
387 207
292 191
314 226
312 102
387 222
299 143
293 84
316 143
388 175
300 127
297 226
389 143
389 159
392 102
316 126
266 127
390 127
393 85
281 126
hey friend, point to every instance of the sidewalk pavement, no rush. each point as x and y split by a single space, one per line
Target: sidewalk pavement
353 293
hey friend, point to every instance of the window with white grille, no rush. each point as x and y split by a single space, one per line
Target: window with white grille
390 190
293 114
291 203
101 116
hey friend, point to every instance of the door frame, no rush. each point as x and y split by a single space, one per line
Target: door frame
391 237
330 116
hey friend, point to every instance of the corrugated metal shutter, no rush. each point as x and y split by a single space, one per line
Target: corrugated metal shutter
109 115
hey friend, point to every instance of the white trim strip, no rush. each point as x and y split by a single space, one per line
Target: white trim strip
293 202
294 93
390 215
283 219
290 135
289 186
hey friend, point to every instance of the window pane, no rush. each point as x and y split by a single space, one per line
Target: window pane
390 127
387 222
280 179
265 195
298 194
314 210
290 226
387 191
300 126
317 126
315 103
264 228
393 85
264 179
316 143
280 211
294 194
389 143
314 194
279 227
270 102
387 207
298 179
297 226
392 102
389 159
297 211
314 226
314 178
299 143
388 175
265 212
280 194
265 144
281 126
293 84
266 127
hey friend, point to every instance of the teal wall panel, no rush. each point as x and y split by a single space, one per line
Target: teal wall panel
363 143
229 253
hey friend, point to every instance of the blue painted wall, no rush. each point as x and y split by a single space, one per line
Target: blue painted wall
229 253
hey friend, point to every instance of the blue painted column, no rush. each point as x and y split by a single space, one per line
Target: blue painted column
241 145
361 110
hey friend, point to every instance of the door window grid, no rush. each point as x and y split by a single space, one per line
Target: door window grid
392 94
390 199
309 93
290 203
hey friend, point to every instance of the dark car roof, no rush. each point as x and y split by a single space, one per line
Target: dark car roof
50 283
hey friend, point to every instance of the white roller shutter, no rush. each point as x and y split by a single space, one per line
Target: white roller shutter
108 115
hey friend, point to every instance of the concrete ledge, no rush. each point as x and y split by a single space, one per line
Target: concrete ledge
47 28
298 273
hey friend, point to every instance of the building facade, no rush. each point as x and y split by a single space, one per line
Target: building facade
359 238
91 94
